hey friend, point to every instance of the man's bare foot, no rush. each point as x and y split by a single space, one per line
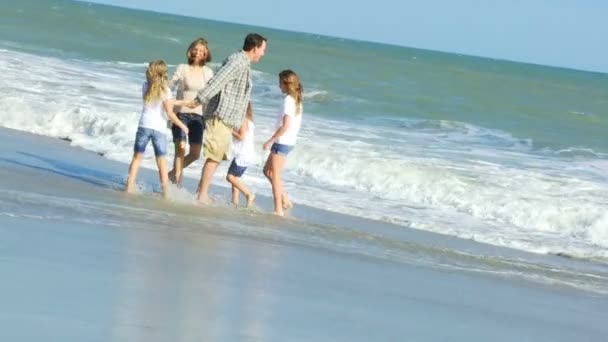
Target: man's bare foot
250 199
235 204
279 213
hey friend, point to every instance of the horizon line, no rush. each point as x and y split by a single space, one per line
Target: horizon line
351 39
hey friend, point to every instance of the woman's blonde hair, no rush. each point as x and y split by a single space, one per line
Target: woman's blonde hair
198 41
158 81
293 87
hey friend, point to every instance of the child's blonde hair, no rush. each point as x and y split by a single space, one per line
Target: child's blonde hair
293 87
249 112
158 81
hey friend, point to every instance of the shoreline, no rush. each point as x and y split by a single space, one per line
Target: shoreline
81 260
440 249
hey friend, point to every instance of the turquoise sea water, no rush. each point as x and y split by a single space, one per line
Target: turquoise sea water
499 152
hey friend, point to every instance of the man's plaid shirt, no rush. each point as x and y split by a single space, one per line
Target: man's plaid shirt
227 93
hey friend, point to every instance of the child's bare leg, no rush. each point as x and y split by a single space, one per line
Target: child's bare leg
235 196
133 169
238 184
235 190
250 199
268 167
277 188
286 202
276 166
161 162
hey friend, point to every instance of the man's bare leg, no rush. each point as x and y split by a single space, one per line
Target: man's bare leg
206 177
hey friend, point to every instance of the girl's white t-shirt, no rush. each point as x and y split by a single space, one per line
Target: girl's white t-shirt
153 114
290 136
244 150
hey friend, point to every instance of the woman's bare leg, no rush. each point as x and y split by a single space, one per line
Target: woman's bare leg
161 162
178 162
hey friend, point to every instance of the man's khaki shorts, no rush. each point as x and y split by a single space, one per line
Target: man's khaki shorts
217 139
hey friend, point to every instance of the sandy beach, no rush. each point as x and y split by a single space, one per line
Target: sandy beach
82 261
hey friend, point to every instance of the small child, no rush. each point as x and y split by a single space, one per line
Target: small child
244 153
284 138
153 123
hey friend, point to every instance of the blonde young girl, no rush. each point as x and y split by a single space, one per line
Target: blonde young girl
153 123
244 153
284 138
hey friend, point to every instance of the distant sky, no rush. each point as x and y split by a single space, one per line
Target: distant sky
567 33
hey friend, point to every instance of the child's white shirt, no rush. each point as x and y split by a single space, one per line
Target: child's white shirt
244 150
153 114
290 136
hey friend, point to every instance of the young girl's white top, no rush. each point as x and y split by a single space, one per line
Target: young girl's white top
290 136
153 114
244 150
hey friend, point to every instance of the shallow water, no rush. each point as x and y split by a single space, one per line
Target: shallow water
82 261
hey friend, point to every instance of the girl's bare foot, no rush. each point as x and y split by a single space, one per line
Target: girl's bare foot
279 213
130 188
287 204
250 199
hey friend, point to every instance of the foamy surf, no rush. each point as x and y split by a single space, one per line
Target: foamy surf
446 177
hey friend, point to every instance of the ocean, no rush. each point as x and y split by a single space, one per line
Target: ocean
503 153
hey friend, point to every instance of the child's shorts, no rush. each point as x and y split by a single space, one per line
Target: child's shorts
236 170
144 135
281 149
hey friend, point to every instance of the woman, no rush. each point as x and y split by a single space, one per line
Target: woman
190 79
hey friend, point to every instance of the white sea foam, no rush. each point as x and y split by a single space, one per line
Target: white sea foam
448 177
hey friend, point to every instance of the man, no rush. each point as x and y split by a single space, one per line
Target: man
227 95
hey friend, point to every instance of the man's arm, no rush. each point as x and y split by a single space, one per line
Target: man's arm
225 74
279 132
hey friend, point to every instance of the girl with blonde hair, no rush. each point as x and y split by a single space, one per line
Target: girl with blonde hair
284 138
157 105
